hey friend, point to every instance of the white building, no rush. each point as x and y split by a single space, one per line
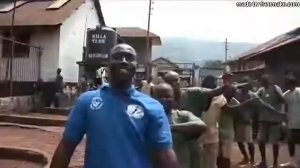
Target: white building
58 27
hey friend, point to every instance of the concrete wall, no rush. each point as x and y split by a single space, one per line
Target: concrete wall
16 104
48 40
72 39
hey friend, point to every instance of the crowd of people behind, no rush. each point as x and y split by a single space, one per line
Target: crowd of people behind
194 127
266 115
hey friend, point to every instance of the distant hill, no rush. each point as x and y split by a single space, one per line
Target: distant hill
192 50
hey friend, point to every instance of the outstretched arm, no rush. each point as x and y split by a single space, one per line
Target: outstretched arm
267 106
72 136
218 91
249 102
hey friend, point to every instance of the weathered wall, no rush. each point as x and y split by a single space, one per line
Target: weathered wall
72 39
16 104
48 40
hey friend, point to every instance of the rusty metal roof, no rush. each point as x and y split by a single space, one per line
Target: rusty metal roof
133 32
162 60
281 40
34 13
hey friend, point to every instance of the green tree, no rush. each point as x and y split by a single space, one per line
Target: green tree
213 64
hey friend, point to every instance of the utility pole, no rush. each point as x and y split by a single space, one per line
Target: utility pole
226 49
11 86
148 66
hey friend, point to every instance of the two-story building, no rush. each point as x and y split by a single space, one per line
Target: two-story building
277 57
51 34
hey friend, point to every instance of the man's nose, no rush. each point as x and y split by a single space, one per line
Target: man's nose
124 60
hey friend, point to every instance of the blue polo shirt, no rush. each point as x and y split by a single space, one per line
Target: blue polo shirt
122 128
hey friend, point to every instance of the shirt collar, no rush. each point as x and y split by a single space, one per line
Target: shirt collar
127 92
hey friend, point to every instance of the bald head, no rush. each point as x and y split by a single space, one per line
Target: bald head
123 48
172 78
122 66
171 74
162 87
266 80
164 93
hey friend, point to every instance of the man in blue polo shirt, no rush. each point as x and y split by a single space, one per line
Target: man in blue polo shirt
124 128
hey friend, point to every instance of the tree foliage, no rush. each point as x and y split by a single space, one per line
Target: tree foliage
213 64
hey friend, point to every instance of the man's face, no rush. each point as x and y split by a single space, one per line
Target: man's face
227 79
58 71
173 80
265 82
246 88
165 96
229 93
122 66
290 84
149 80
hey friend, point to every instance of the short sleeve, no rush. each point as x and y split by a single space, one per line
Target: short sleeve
159 131
76 125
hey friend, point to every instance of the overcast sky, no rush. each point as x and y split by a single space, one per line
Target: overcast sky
200 19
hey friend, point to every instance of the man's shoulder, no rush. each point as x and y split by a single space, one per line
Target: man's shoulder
220 100
147 101
89 95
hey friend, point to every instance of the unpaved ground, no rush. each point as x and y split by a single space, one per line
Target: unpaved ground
283 155
18 164
38 140
50 116
47 141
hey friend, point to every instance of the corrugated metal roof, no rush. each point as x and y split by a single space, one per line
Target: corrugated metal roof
131 32
284 39
34 13
259 67
162 60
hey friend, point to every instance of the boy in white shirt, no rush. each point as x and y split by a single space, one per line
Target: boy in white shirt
292 100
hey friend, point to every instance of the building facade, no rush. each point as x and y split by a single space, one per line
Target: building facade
277 57
50 34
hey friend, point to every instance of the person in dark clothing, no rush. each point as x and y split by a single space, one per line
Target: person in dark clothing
243 124
39 98
58 87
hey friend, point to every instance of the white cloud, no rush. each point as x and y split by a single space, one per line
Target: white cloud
213 20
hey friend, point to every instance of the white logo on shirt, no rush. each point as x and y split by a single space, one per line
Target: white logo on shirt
96 104
135 111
